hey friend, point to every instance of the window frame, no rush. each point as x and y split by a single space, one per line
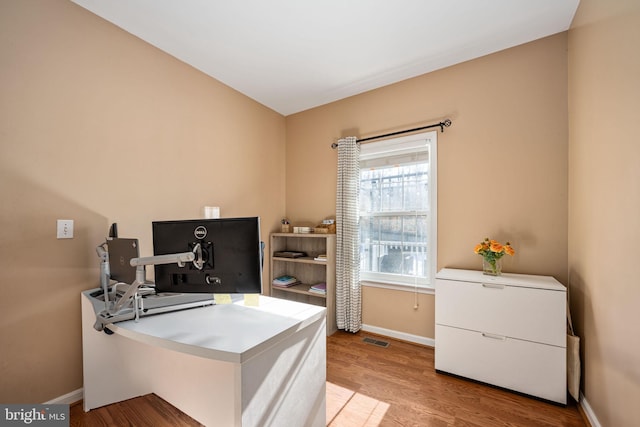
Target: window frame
403 143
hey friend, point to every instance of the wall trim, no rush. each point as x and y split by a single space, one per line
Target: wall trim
588 411
403 336
69 398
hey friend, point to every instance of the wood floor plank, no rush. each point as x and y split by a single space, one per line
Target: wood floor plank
337 399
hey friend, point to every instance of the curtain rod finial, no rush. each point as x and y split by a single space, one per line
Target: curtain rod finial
445 123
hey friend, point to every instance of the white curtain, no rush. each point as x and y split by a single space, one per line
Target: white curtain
348 299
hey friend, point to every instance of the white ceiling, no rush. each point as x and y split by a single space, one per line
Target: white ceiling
292 55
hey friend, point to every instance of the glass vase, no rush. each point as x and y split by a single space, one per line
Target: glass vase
492 267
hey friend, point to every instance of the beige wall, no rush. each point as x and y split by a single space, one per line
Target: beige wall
604 204
99 127
502 165
86 109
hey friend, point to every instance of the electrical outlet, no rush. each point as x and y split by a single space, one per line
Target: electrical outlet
65 229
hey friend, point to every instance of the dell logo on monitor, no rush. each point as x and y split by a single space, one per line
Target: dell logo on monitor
200 232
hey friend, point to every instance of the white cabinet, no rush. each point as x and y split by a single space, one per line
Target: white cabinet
508 330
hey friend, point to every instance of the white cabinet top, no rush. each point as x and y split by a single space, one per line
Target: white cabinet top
227 332
507 279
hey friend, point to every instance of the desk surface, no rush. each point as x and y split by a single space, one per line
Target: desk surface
227 332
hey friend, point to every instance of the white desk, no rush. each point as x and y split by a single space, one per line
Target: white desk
224 365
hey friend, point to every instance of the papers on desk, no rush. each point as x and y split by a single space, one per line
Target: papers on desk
222 299
249 300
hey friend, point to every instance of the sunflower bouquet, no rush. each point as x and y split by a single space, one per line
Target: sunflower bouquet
492 251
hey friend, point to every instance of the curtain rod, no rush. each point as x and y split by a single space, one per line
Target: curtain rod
441 125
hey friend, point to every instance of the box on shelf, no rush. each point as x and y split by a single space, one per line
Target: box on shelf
304 230
328 226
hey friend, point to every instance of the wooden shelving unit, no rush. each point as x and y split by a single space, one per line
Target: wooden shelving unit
307 270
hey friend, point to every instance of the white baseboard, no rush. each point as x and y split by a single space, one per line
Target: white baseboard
591 416
69 398
399 335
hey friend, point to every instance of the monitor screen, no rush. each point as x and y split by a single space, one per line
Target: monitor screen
229 250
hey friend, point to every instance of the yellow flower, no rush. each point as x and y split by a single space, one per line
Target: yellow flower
496 247
491 249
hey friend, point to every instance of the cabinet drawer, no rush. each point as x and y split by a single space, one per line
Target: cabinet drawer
518 312
534 369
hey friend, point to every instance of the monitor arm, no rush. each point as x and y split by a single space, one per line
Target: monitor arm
120 310
140 263
105 273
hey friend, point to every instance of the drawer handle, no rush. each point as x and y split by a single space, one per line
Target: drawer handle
494 337
492 286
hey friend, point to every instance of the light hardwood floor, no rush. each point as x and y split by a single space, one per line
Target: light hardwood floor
398 386
143 411
376 387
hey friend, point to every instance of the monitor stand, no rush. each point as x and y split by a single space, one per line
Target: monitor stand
145 304
163 302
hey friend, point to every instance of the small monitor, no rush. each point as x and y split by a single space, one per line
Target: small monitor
230 250
120 253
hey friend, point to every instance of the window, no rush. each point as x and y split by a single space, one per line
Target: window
398 210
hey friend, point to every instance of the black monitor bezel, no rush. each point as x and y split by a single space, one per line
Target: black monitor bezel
226 245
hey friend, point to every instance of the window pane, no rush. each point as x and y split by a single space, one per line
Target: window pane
381 247
415 245
391 191
396 243
368 245
369 191
395 189
416 183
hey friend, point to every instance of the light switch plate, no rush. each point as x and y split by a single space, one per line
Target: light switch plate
65 229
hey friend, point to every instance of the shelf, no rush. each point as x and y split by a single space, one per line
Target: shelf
299 289
306 269
319 235
305 260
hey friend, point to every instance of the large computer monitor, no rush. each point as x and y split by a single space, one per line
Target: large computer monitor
230 251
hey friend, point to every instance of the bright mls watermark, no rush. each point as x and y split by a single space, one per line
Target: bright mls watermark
34 415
